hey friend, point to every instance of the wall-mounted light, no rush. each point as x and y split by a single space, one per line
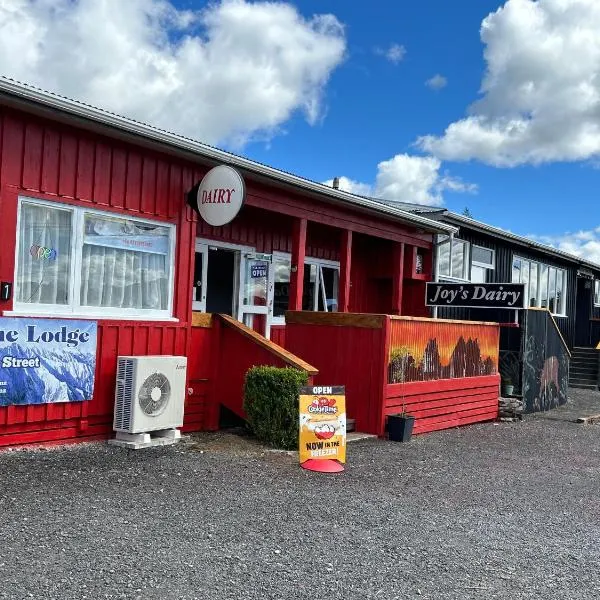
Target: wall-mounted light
294 268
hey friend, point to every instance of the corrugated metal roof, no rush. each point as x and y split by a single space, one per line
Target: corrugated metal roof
25 93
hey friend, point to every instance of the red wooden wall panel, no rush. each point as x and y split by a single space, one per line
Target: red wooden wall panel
278 335
445 403
344 355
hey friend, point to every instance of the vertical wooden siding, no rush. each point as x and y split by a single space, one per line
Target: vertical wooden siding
44 160
345 355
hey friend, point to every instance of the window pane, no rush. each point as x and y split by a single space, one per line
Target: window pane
255 282
330 284
44 257
459 259
281 287
444 259
516 271
560 309
552 290
525 272
478 274
310 280
597 291
482 255
544 286
533 285
125 264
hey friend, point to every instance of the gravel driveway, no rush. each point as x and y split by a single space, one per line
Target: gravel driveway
508 510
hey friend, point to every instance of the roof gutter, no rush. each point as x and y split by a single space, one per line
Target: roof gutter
519 239
91 113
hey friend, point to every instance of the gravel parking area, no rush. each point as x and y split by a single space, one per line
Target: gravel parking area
507 510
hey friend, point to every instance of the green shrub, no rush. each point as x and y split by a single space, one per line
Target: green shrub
271 403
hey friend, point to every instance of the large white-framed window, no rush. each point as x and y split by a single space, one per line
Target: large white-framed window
453 259
85 262
483 261
321 285
597 292
545 286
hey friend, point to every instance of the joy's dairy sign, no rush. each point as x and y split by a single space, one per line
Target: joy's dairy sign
476 295
219 197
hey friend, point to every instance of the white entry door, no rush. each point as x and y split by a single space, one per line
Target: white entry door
256 292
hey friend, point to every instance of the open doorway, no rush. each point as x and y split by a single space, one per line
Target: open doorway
236 281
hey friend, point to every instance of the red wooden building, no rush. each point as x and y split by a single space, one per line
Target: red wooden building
67 167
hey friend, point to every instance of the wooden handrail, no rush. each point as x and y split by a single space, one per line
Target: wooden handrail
562 339
287 357
336 319
429 320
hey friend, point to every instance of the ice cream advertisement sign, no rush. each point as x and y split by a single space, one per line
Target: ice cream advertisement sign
322 425
46 360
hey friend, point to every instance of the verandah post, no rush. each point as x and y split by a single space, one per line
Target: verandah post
398 277
298 254
345 270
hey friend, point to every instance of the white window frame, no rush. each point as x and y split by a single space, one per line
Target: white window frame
596 292
563 298
475 263
467 261
308 260
74 308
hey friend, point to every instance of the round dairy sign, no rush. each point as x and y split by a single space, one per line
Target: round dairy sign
221 195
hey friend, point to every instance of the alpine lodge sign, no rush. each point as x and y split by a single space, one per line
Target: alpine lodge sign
476 295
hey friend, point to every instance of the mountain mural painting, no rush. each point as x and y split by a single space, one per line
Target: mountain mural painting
46 360
441 350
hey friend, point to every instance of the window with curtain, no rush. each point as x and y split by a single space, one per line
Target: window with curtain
73 260
545 286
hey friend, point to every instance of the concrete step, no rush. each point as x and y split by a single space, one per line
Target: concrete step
584 370
583 382
583 386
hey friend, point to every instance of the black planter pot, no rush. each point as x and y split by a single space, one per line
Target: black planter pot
400 428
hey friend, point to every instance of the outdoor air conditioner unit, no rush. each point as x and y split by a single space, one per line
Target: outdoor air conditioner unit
150 394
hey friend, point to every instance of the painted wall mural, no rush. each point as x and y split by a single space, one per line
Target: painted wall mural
545 364
425 350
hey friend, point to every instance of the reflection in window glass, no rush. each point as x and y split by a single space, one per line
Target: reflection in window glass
458 259
310 280
516 270
544 286
552 305
597 291
444 259
281 286
329 289
478 274
533 285
525 269
485 256
560 309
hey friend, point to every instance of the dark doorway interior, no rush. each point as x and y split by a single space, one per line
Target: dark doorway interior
220 281
583 311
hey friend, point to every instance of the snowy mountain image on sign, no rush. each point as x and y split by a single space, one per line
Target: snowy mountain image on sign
46 361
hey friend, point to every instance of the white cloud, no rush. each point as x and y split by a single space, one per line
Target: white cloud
395 53
224 74
406 178
541 91
585 244
437 82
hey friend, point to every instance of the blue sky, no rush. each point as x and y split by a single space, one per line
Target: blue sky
338 88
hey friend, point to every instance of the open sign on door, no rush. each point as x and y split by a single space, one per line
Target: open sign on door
258 270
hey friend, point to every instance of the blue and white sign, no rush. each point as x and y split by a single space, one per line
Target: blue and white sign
258 270
46 360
